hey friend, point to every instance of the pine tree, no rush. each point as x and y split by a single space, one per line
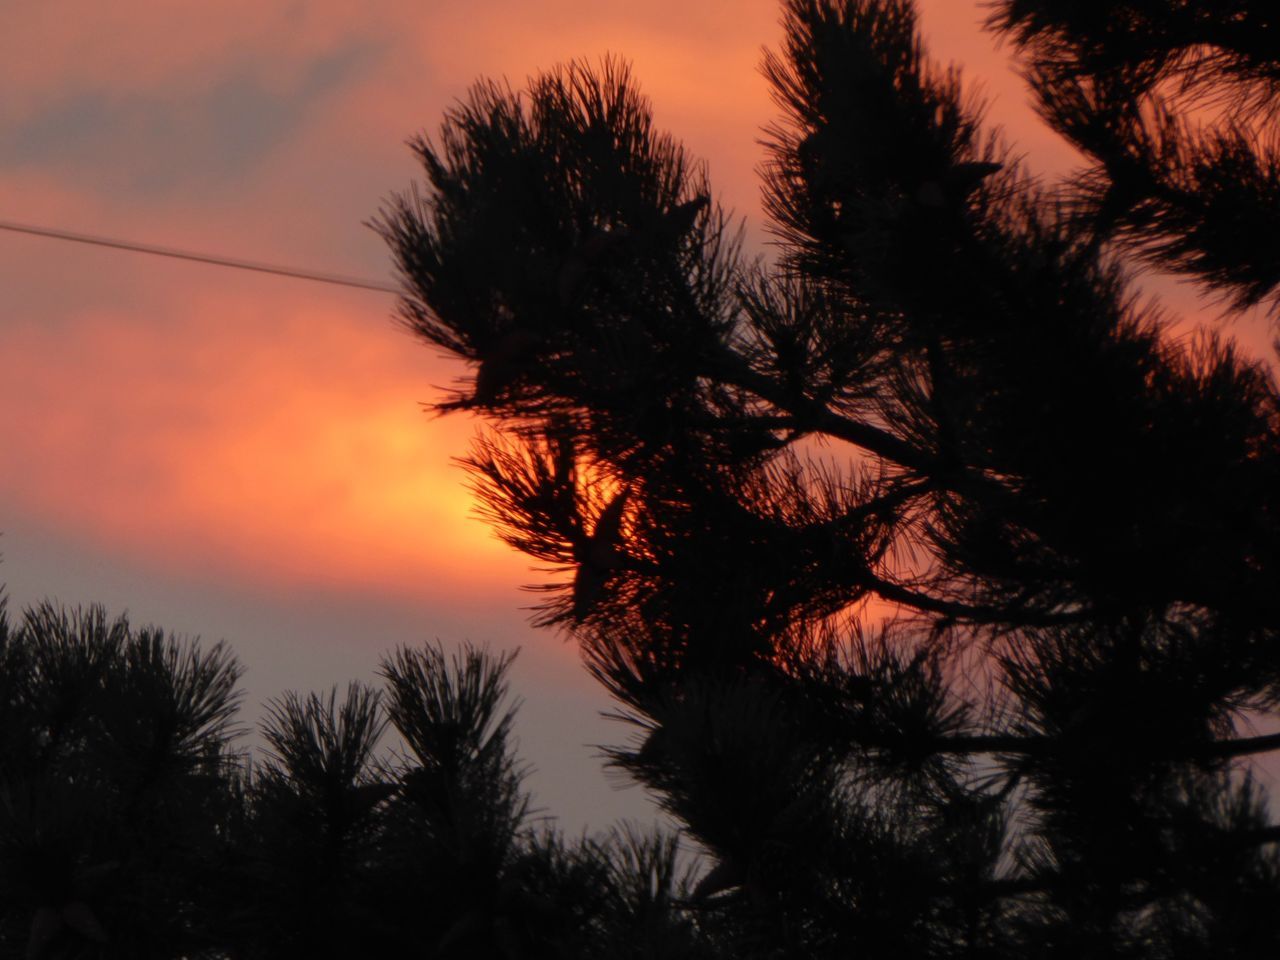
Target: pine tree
130 828
943 395
430 849
116 786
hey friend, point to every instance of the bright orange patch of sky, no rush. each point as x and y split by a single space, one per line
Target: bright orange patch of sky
259 439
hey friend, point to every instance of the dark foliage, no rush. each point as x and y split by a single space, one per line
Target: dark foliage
941 400
1174 105
130 829
117 786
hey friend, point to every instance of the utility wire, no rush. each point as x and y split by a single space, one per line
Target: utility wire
199 257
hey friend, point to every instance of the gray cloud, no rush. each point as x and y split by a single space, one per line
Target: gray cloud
147 144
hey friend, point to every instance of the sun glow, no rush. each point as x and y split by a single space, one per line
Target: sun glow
305 458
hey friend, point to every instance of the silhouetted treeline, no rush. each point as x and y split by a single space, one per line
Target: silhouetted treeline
942 395
131 826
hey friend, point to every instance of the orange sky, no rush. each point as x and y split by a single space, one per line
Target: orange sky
255 428
244 435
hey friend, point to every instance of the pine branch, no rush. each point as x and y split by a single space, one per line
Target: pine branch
970 613
815 417
1039 746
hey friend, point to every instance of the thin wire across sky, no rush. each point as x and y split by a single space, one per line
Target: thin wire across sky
233 263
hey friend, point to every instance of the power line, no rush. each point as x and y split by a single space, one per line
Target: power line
199 257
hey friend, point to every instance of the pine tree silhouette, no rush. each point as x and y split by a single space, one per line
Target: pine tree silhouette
116 786
943 394
130 828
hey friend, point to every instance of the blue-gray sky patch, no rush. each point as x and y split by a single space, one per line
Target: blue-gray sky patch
152 145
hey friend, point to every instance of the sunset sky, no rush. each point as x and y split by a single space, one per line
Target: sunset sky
245 457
